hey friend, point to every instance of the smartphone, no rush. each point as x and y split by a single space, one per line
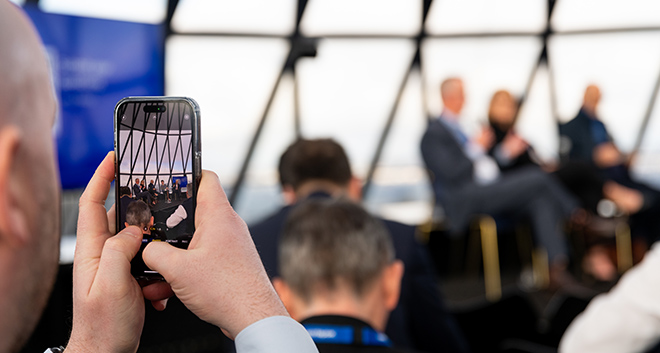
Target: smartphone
158 162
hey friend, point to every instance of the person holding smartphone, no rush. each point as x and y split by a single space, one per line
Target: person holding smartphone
233 291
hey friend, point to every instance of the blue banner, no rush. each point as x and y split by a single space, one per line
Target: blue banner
96 63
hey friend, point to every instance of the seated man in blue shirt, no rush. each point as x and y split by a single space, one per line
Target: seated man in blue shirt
586 139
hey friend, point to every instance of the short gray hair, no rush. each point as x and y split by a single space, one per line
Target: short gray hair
327 242
138 214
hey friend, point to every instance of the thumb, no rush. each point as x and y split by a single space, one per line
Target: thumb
162 257
118 251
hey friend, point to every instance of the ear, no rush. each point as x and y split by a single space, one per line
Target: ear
288 194
126 224
391 282
13 219
286 296
355 189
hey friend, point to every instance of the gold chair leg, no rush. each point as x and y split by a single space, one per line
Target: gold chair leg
541 268
623 247
491 259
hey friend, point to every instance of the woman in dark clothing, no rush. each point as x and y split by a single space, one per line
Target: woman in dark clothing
582 179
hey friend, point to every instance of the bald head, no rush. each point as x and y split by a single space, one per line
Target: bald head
24 70
29 237
451 91
591 99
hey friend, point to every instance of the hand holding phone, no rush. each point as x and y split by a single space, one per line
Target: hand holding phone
158 167
220 278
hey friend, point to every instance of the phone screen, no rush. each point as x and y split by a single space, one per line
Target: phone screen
156 177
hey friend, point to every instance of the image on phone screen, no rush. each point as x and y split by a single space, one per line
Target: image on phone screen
155 178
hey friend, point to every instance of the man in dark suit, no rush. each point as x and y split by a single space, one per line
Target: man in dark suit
467 181
136 188
340 278
320 169
586 139
152 189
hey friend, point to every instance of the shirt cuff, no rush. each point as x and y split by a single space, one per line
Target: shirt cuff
275 334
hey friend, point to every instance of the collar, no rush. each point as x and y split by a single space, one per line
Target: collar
342 330
587 114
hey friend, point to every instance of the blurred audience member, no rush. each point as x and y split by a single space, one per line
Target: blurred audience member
340 278
627 319
125 199
586 139
319 169
467 181
138 214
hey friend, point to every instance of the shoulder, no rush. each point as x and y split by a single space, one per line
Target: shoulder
271 224
403 238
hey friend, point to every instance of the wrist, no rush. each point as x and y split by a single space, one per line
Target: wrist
256 313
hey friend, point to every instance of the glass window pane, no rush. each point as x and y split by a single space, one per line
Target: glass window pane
275 17
485 16
398 17
231 79
604 14
646 165
347 92
147 11
400 189
625 67
536 124
485 65
260 194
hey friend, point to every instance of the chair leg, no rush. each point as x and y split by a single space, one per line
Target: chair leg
623 247
541 268
491 259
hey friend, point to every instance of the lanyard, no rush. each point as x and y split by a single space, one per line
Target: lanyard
344 334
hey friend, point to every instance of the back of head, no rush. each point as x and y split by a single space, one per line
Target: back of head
332 243
138 214
322 160
29 240
124 191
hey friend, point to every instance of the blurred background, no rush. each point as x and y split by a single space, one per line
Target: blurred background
366 72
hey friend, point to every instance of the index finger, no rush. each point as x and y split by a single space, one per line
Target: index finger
93 228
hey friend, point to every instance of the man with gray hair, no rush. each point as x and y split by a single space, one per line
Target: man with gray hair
339 275
138 214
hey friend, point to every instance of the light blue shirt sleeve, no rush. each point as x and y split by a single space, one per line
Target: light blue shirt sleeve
276 334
